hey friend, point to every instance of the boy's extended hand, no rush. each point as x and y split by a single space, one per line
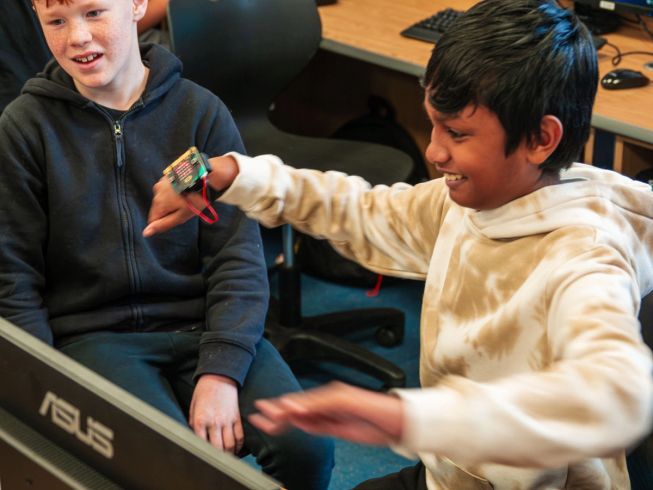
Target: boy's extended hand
337 410
214 413
169 209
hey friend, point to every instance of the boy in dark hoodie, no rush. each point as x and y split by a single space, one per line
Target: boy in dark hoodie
175 319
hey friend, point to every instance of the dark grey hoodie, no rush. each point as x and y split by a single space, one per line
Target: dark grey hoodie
75 191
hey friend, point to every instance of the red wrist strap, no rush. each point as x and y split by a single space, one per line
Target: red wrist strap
207 219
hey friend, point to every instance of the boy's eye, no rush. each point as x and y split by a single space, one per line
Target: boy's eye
94 13
454 134
55 22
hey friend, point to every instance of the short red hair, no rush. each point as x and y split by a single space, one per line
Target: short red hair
48 2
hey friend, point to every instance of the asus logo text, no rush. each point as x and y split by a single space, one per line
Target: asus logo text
68 417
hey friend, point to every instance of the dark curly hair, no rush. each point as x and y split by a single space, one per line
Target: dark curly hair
522 59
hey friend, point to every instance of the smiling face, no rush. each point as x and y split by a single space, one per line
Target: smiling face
469 149
95 42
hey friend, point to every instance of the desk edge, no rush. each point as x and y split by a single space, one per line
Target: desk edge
622 129
374 58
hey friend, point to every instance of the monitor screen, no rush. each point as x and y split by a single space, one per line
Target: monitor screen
63 426
626 6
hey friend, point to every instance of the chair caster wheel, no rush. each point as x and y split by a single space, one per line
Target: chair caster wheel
389 336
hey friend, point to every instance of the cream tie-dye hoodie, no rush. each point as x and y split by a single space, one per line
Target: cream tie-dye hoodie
533 370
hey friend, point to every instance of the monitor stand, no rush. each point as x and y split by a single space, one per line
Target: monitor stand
599 22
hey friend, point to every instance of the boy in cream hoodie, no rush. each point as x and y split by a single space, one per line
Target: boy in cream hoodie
533 371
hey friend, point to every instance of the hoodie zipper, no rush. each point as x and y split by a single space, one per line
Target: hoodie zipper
126 219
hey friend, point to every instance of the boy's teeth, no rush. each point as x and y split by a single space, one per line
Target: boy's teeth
87 58
453 177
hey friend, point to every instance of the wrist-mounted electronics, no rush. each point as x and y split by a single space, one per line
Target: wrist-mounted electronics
187 174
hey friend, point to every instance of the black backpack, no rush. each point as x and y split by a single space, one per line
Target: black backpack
379 125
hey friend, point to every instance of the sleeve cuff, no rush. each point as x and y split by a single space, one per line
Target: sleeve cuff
225 359
253 179
431 419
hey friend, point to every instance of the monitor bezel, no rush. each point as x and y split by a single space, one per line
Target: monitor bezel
147 445
618 7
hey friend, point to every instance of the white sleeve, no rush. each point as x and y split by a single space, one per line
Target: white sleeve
390 230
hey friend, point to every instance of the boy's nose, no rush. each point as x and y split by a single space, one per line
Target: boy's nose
79 34
436 153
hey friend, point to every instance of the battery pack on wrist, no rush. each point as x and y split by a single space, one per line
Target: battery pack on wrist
188 174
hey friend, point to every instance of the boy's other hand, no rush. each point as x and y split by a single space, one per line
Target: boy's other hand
337 410
214 413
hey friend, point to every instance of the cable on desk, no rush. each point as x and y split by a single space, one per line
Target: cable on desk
616 59
639 20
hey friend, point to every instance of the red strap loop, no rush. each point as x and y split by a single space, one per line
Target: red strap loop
207 219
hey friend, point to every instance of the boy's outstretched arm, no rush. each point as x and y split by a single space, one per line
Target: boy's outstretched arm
170 209
364 223
337 410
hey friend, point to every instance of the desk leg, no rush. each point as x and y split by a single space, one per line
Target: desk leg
588 153
618 158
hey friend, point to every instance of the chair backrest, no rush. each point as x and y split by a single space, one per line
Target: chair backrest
245 51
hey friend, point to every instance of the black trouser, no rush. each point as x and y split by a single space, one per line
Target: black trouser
411 478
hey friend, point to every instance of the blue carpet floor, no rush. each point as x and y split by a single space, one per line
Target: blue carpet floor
354 462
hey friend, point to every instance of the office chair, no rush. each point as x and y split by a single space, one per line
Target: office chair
247 52
640 459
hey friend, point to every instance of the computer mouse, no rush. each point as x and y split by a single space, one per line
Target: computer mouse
624 78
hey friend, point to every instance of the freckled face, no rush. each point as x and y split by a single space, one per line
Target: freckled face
468 148
94 41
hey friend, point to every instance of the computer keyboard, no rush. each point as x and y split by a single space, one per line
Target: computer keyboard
432 28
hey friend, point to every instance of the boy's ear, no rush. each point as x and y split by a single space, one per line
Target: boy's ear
551 132
139 7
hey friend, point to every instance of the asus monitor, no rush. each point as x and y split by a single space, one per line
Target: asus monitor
63 426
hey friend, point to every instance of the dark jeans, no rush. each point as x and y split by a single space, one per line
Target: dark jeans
158 368
411 478
640 465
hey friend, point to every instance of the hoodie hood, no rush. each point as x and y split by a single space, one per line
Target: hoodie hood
619 208
54 82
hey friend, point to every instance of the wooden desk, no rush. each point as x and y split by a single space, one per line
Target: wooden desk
363 53
368 30
628 114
